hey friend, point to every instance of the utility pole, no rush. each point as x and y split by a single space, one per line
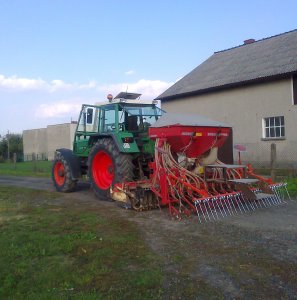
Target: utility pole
7 136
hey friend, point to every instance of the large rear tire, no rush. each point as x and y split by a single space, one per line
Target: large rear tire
107 166
61 174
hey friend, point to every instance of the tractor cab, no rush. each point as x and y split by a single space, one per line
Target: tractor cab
124 118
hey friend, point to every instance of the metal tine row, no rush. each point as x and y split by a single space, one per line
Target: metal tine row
221 206
217 207
281 191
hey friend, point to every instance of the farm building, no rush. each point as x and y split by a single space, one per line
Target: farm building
42 143
253 88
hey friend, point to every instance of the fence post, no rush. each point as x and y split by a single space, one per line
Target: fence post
14 160
273 161
34 162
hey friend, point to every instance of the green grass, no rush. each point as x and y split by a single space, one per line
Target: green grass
28 168
50 251
292 186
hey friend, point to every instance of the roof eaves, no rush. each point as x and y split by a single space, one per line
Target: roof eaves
226 86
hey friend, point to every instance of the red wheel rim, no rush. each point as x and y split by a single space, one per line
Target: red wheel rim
59 173
103 170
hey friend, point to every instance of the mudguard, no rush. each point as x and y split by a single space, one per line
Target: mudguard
117 138
73 162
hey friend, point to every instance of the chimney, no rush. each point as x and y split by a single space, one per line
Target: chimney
249 41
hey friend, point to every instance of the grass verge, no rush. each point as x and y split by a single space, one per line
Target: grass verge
292 187
50 251
27 168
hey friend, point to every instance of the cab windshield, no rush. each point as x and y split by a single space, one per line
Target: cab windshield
149 110
139 118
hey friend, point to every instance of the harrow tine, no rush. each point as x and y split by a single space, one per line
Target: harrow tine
224 197
255 203
197 212
236 201
263 201
201 209
223 206
240 202
206 209
280 191
210 208
258 200
251 201
216 201
281 200
275 199
248 204
286 189
269 200
275 190
231 200
213 200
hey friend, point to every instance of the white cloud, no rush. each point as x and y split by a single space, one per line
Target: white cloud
56 110
36 103
60 85
19 83
148 88
90 85
130 72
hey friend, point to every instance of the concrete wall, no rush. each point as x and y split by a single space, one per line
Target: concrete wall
43 142
59 136
35 141
244 109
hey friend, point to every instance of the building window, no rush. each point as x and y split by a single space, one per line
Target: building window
294 80
274 127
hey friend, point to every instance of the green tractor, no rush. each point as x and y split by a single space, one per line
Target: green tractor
111 145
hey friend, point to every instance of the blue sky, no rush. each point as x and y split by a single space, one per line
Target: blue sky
56 55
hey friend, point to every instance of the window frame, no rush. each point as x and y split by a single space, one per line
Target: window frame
275 123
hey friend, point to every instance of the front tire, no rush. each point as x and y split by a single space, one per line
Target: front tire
107 166
61 174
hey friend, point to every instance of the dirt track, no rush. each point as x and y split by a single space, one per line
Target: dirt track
250 256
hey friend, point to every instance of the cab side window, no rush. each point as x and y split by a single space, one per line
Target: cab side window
89 116
108 115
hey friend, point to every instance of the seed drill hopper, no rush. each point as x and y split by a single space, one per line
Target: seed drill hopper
188 177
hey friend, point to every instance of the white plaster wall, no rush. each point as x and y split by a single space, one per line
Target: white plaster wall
35 141
44 142
244 108
59 136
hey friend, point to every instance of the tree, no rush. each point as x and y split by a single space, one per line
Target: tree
14 142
